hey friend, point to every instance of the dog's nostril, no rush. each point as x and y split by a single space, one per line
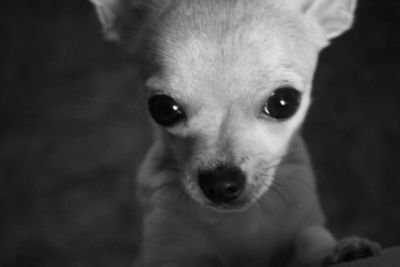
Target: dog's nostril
222 184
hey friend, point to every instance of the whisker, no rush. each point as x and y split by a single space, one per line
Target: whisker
307 161
277 194
185 201
299 181
180 198
259 197
284 193
168 187
173 169
298 164
279 157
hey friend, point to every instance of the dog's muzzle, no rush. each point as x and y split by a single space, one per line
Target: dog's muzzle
222 185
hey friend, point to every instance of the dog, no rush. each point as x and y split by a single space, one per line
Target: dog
228 179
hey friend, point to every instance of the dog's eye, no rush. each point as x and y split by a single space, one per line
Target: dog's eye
165 111
283 103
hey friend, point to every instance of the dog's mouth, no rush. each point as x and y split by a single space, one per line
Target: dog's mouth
244 201
226 188
237 205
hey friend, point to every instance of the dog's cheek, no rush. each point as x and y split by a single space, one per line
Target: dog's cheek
259 172
180 147
182 150
259 155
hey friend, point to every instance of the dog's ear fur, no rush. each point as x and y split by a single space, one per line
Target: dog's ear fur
110 13
126 20
332 17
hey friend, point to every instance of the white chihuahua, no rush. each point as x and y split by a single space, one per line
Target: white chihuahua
228 181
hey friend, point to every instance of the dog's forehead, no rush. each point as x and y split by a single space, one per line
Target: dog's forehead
237 49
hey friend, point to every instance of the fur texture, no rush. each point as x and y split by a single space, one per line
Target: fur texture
221 60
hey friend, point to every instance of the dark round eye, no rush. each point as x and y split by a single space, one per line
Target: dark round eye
165 111
283 103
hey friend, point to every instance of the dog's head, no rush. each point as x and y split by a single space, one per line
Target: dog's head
228 82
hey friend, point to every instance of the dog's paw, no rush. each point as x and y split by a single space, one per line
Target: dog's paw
350 249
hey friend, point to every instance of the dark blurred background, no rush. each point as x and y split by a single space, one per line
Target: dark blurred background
73 130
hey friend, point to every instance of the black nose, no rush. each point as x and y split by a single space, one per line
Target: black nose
222 184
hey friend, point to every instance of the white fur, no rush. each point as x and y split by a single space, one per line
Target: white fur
221 60
223 82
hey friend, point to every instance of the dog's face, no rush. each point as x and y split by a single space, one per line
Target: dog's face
231 91
231 87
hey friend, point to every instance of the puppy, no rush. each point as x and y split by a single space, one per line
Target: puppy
227 181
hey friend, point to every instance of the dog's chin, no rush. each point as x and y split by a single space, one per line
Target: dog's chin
236 206
229 208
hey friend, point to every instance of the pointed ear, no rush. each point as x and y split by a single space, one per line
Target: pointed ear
109 12
333 17
127 21
123 20
330 17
